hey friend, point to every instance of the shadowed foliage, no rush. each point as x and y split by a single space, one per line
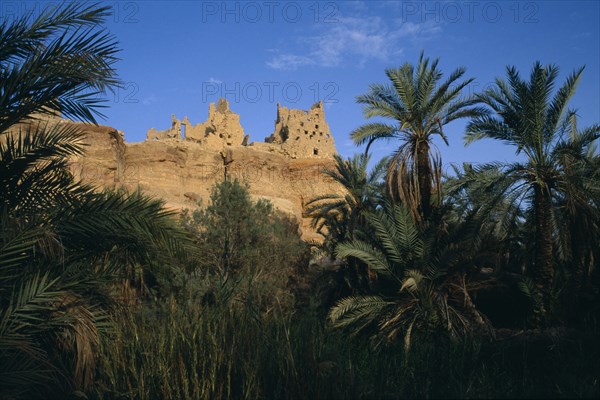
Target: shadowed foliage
337 215
559 172
63 246
421 288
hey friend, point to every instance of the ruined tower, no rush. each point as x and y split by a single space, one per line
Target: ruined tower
303 134
222 127
172 133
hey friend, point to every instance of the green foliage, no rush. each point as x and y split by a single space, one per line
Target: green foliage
419 104
246 245
60 259
196 352
63 245
60 60
234 314
421 285
203 352
494 221
557 182
338 216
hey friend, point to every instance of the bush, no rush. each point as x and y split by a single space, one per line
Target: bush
246 249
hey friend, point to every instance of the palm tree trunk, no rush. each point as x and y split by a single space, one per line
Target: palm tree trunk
543 273
579 260
424 178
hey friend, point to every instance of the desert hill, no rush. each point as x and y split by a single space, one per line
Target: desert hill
182 163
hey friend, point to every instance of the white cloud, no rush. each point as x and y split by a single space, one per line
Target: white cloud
355 40
347 143
289 61
147 101
214 80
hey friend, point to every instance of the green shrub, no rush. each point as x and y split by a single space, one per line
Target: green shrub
246 250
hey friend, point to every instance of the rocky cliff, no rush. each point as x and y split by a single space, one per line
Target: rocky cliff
182 163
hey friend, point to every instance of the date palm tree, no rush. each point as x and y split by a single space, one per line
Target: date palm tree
341 216
337 215
419 105
498 219
422 284
63 244
534 118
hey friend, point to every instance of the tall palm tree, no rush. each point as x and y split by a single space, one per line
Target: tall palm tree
420 104
63 245
534 118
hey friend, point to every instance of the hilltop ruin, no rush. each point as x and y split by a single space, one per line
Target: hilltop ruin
182 163
297 133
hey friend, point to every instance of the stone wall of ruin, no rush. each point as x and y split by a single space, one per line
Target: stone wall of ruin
222 127
297 133
303 134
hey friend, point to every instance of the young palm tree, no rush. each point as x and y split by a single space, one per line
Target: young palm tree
422 281
341 216
62 244
529 116
498 219
336 216
420 105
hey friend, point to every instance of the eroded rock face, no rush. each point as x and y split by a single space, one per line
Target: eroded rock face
183 170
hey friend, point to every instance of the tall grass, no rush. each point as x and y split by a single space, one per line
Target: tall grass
207 352
198 352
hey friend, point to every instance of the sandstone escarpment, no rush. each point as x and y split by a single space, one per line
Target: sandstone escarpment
181 165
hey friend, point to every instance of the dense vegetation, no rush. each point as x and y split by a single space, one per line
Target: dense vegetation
483 283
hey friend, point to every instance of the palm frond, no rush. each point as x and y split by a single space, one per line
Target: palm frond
61 57
368 254
352 310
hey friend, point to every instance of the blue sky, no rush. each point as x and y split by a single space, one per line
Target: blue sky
180 55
